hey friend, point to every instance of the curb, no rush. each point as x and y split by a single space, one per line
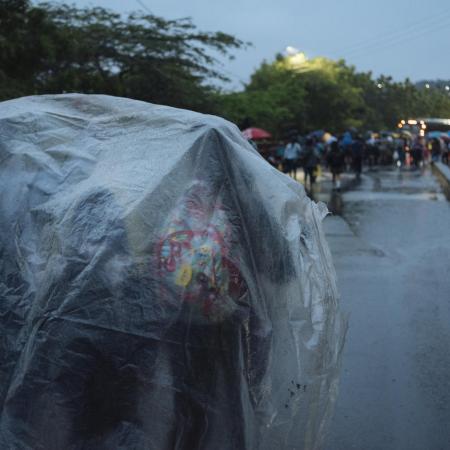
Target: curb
442 173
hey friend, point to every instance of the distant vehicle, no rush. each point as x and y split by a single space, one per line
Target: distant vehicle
423 125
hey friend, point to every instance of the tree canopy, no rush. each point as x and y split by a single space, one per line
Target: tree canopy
55 48
296 93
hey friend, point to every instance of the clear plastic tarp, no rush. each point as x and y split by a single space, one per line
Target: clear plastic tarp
161 285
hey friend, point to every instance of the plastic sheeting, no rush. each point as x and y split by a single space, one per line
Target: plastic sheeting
161 285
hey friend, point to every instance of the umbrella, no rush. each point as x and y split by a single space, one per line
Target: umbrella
318 134
256 133
438 135
406 134
328 138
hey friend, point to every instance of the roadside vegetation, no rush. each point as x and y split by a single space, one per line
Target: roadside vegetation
55 48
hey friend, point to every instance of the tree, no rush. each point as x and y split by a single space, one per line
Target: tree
54 48
273 100
60 48
16 54
306 95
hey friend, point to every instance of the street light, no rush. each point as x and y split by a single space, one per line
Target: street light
292 51
295 58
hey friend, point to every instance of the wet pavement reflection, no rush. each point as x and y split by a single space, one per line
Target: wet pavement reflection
391 248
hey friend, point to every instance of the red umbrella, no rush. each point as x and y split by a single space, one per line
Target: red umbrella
256 133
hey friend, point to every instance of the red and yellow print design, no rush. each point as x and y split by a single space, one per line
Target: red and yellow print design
194 256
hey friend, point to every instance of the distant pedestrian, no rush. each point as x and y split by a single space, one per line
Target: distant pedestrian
310 158
336 163
371 142
279 154
417 153
435 150
347 144
291 156
357 156
402 152
445 153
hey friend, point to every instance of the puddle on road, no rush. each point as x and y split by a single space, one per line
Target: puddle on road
386 185
381 189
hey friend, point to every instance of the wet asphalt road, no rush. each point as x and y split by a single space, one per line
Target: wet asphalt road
392 256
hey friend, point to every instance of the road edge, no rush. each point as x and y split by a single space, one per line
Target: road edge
442 173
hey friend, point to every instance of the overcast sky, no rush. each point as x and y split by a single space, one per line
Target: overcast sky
402 38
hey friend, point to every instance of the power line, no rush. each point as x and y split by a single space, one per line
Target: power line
403 36
426 22
399 40
144 6
411 27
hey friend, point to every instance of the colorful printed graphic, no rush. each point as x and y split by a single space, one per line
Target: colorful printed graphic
194 256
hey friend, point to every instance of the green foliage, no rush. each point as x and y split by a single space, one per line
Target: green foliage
294 93
273 100
54 48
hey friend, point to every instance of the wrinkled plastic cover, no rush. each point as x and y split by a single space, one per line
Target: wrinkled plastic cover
161 285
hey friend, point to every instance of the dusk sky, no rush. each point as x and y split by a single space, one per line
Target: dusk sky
402 38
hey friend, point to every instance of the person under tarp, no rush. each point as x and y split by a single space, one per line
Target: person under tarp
162 286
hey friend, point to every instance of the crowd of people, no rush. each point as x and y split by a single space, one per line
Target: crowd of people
313 155
350 152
